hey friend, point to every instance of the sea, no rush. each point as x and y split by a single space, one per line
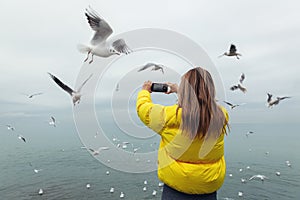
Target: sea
66 168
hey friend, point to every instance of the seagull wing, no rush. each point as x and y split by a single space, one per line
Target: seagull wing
100 26
234 87
121 47
79 89
269 97
281 98
232 48
61 84
243 89
242 78
35 94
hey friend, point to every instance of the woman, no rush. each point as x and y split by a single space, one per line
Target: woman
191 154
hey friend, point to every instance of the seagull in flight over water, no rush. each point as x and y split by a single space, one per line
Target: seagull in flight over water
97 152
52 121
9 127
239 85
30 96
155 67
232 106
272 103
99 45
258 176
232 52
76 95
21 138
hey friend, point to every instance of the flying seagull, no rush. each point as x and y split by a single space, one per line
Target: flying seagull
232 106
76 95
21 138
248 133
232 52
97 152
239 85
242 78
272 103
52 121
32 95
154 66
258 176
10 127
99 45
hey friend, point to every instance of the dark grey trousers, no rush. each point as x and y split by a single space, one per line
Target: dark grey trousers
172 194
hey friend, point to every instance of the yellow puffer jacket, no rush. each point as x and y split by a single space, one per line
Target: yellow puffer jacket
189 166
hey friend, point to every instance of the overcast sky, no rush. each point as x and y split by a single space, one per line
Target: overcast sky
41 36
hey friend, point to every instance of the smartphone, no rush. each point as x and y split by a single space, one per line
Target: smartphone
160 87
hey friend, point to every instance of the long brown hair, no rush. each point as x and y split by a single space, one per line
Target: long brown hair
200 113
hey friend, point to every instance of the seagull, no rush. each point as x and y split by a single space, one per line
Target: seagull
144 188
112 190
243 180
240 194
52 121
154 193
21 138
37 170
88 186
107 172
248 133
155 67
160 184
258 176
277 173
239 85
232 106
97 152
288 163
242 78
136 149
10 128
115 138
76 95
272 103
122 195
41 192
145 182
232 52
99 45
30 96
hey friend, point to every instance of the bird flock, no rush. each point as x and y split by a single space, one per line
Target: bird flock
101 46
271 102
